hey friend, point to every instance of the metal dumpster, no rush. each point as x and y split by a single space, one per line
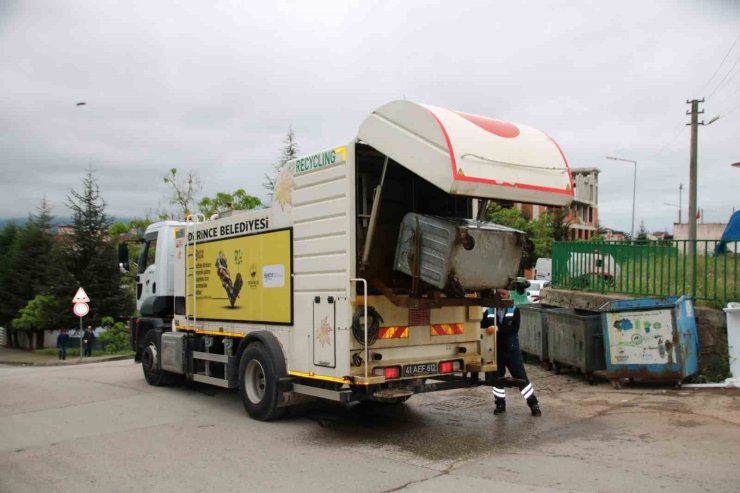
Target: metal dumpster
575 339
650 339
533 331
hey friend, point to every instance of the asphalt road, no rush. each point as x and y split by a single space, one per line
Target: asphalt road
100 427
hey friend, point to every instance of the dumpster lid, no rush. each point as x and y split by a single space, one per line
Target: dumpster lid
642 304
471 155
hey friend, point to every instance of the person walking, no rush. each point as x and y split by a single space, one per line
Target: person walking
62 340
509 355
87 340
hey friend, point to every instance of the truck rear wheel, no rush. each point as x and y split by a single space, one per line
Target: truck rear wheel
150 360
258 383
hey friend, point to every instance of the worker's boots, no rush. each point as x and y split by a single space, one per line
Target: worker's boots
500 407
534 406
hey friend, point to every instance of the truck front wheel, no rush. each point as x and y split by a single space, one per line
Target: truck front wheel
258 383
150 360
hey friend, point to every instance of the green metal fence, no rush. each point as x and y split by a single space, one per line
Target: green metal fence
649 268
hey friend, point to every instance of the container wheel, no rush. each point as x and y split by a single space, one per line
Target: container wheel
150 360
616 384
547 365
258 383
556 367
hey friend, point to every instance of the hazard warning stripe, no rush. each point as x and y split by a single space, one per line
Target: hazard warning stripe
400 332
447 329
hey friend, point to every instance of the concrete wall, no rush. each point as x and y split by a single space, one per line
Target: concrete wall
711 325
711 231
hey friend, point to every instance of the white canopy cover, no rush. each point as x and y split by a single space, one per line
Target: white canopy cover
471 155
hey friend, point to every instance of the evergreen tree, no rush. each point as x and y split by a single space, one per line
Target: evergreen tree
34 267
289 152
8 247
92 255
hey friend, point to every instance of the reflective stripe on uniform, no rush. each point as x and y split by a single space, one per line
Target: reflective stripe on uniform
528 391
499 393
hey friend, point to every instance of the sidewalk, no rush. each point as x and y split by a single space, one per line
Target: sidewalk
23 357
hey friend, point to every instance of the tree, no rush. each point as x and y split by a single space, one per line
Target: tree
222 202
92 256
559 224
39 315
115 338
537 231
33 265
183 190
289 152
642 233
8 248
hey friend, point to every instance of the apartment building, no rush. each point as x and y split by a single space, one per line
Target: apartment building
583 212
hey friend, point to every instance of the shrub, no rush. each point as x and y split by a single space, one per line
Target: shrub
115 338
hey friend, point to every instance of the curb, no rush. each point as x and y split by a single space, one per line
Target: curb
69 362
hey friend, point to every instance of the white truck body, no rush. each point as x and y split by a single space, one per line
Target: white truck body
297 271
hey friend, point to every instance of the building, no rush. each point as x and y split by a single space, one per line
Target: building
583 212
613 235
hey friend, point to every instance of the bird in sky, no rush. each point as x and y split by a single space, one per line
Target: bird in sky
81 103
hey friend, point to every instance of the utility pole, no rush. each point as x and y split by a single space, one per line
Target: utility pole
692 185
693 165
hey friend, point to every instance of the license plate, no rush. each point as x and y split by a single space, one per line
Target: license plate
420 369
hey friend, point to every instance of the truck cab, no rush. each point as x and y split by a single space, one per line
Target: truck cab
155 290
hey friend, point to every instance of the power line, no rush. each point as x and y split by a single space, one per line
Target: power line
720 65
728 95
670 142
732 110
725 77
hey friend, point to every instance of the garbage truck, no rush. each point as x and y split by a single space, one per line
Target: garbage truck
364 280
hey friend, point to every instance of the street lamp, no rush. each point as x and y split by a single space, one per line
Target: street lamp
679 210
634 189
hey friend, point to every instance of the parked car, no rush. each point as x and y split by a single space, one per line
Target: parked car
543 269
535 286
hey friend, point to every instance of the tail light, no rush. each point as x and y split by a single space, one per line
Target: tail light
389 372
450 366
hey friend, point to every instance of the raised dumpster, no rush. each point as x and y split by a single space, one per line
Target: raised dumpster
533 331
650 339
575 339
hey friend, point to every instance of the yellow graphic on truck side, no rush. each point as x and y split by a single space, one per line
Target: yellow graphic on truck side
245 278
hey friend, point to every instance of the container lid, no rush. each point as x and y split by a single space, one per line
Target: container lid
471 155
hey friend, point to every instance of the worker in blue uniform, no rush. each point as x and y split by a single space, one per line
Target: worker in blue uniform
508 354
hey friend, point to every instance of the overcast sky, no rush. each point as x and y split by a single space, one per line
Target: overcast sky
212 87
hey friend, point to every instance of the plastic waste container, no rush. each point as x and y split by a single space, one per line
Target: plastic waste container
575 339
650 339
533 331
733 339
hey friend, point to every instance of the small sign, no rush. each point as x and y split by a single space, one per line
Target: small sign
81 297
81 309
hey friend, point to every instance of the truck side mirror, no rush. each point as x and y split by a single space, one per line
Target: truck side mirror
123 261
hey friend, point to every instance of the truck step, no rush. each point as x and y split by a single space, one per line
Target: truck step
218 358
219 382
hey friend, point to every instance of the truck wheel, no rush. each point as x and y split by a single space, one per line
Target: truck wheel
258 383
150 360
